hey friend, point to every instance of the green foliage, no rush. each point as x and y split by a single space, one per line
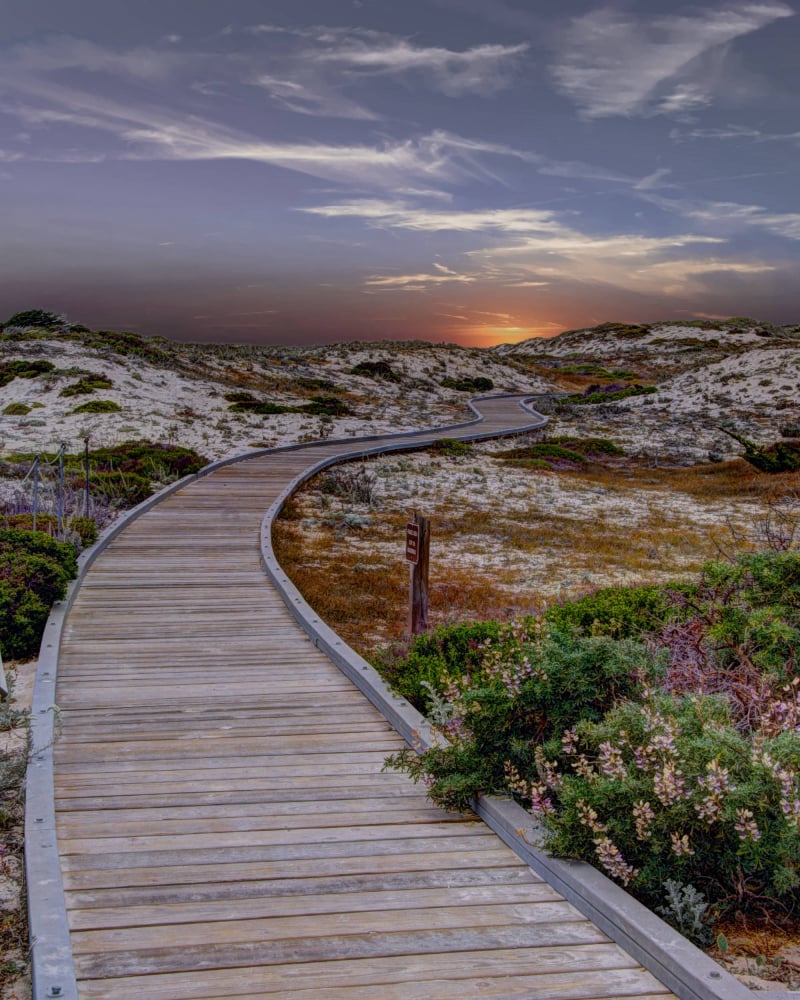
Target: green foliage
376 369
477 384
34 572
23 368
571 449
145 458
620 612
86 385
433 657
451 448
129 344
253 405
34 317
669 789
329 406
120 489
520 690
686 908
98 406
782 456
84 527
609 397
748 613
544 450
17 410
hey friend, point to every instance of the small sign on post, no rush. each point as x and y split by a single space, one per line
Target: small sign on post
412 542
418 536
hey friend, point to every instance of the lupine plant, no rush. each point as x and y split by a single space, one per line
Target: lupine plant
672 758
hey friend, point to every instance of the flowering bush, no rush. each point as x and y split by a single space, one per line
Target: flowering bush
669 788
672 760
526 687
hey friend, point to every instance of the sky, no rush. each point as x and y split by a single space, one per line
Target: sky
473 171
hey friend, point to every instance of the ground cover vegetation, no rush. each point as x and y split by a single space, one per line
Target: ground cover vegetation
651 731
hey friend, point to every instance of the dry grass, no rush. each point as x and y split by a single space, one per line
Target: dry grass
507 540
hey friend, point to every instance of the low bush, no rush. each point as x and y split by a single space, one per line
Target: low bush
451 448
477 384
329 406
118 489
434 657
87 385
16 410
672 763
376 369
620 612
9 370
34 572
520 693
145 458
98 406
610 396
669 789
84 527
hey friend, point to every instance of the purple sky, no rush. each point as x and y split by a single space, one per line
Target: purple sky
300 171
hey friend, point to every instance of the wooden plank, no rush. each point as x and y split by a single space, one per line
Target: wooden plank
323 976
336 947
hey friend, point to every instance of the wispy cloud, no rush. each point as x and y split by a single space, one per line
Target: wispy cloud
613 62
733 132
730 217
416 282
359 52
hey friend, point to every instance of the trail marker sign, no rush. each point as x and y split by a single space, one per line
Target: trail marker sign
412 542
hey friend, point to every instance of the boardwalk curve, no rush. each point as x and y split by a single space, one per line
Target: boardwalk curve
223 826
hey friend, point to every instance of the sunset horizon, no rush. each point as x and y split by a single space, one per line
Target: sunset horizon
447 171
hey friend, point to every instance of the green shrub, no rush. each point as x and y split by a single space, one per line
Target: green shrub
145 458
451 448
668 789
34 572
477 384
120 489
544 450
9 370
129 344
98 406
521 692
376 369
16 410
84 527
34 317
86 385
329 406
620 612
253 405
434 657
609 397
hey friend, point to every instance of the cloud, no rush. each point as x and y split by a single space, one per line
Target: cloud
738 132
786 224
360 52
417 282
613 62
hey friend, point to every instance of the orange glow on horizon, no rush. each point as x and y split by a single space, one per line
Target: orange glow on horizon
491 336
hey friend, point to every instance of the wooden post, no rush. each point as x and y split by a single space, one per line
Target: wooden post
418 581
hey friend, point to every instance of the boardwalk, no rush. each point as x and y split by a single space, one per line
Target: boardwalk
223 823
